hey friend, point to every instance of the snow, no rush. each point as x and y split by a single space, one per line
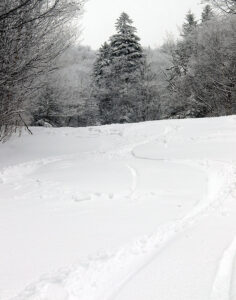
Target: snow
137 211
222 285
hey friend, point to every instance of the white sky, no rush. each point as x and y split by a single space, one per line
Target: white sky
152 18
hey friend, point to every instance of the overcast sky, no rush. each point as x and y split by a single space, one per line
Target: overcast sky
152 18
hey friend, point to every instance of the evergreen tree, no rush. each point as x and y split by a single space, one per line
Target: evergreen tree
126 51
190 24
180 59
119 75
102 83
207 13
102 63
184 47
47 106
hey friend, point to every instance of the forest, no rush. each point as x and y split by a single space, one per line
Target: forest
48 79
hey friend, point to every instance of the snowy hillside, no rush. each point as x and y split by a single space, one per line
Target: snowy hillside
123 212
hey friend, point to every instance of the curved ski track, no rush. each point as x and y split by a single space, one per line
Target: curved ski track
101 278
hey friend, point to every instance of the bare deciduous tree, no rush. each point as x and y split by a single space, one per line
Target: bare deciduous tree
227 6
32 34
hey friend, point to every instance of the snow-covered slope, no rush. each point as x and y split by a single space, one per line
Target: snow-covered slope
141 211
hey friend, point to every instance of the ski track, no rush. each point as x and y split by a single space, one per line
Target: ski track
101 278
219 187
222 285
134 184
18 171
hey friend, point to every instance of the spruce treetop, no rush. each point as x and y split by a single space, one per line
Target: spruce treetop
207 13
190 23
125 45
124 24
121 60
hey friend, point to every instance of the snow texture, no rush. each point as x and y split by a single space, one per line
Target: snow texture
120 212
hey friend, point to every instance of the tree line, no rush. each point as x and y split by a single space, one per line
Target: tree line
199 75
42 84
203 73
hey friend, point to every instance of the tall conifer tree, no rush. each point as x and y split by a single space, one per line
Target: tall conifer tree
207 13
119 75
190 24
126 51
102 63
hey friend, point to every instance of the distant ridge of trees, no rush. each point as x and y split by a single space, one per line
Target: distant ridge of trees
191 77
201 76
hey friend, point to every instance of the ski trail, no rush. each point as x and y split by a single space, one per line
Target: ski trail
103 277
134 175
222 285
100 278
18 171
219 175
163 137
219 187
